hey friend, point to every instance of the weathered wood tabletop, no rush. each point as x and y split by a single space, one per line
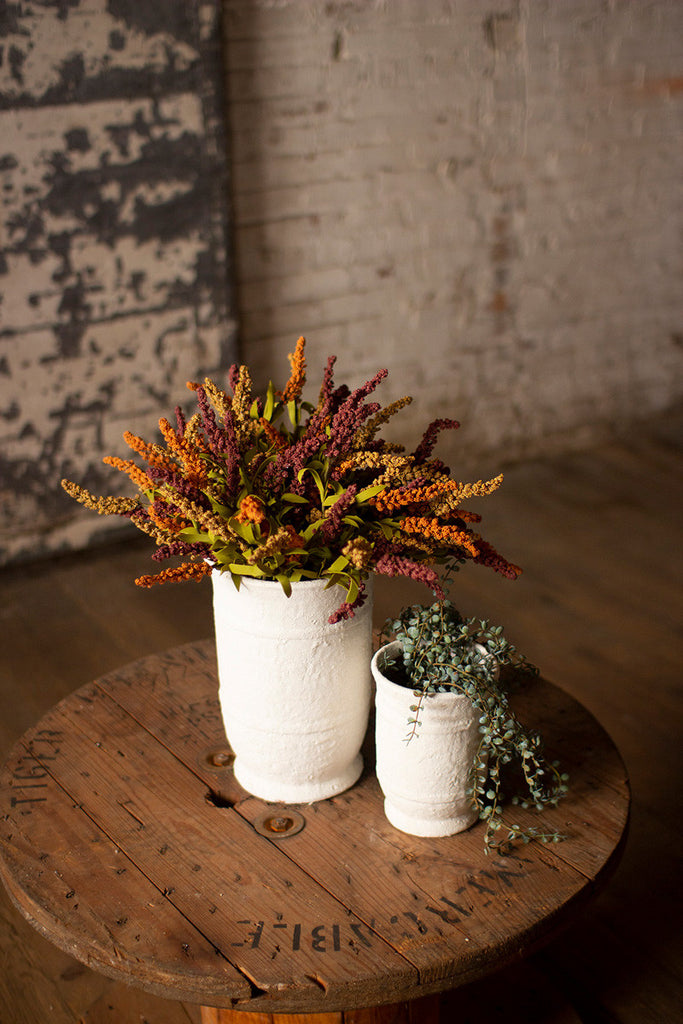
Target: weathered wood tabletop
125 839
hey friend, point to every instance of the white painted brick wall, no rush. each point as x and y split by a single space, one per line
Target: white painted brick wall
483 197
114 284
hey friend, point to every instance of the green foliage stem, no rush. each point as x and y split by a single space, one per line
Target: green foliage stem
444 653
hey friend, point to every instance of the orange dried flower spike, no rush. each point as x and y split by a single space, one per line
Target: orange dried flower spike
137 475
169 523
153 454
273 435
250 510
186 571
439 531
295 384
188 453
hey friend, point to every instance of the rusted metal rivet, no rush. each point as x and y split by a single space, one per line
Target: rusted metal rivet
219 758
279 824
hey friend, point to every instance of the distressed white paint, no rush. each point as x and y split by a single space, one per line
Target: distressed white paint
426 779
113 282
484 197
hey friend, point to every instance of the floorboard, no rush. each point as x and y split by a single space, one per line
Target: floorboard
598 608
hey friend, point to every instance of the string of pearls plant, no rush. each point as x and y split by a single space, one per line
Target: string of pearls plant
443 652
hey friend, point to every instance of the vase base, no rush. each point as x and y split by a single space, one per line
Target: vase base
428 827
307 791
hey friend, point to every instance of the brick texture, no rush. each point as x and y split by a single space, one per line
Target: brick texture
483 197
113 276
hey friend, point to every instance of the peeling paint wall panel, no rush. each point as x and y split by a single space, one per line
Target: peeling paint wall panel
79 52
113 245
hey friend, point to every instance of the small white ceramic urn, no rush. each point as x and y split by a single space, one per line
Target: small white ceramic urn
295 691
425 780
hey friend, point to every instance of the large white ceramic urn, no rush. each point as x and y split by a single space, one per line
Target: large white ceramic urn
295 691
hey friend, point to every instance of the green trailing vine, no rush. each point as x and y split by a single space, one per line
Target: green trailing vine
442 652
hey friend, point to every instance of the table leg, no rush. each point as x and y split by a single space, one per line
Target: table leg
417 1011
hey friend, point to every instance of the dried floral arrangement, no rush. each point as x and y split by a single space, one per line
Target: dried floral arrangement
276 488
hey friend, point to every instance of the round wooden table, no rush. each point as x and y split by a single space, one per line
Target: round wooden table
125 840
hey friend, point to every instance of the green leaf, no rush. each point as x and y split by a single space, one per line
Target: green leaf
246 570
243 530
194 536
318 482
220 510
294 499
312 528
332 498
339 564
224 555
352 591
270 402
285 583
368 492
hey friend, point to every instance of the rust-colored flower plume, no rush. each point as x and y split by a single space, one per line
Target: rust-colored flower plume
275 488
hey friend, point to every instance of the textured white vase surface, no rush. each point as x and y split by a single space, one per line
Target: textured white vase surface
424 780
295 691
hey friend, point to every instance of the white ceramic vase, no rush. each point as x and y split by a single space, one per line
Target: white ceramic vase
295 691
425 780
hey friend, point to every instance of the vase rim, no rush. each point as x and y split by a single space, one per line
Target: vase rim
268 582
437 698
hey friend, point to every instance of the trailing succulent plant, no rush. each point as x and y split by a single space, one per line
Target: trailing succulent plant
443 652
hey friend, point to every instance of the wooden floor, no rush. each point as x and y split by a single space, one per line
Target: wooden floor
598 608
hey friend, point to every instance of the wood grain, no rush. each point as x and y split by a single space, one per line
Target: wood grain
347 913
598 533
417 1011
